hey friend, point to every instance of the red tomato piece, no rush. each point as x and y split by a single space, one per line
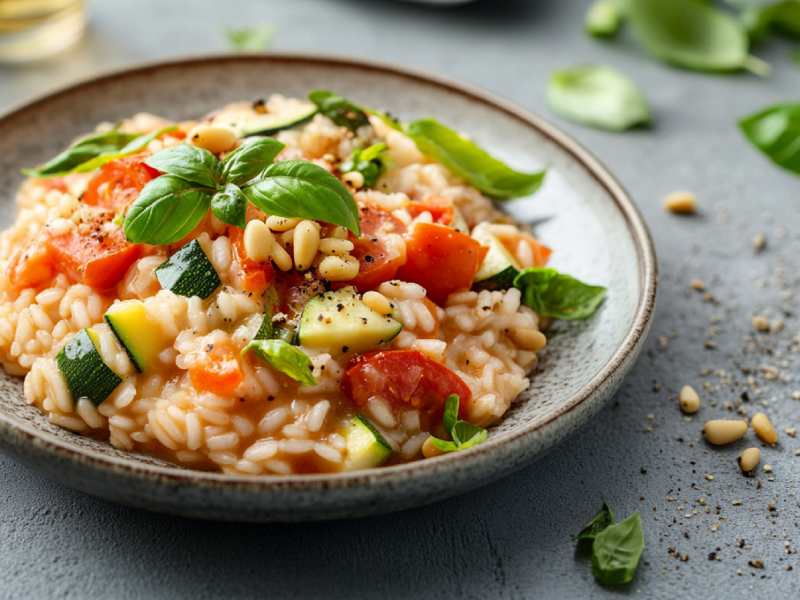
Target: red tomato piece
118 182
252 276
404 378
216 369
31 266
440 259
541 253
440 207
378 257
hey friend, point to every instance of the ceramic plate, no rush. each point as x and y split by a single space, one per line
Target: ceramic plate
584 214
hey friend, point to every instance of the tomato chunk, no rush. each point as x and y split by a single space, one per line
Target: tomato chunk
404 378
118 182
540 252
31 266
440 259
378 256
251 276
440 207
216 369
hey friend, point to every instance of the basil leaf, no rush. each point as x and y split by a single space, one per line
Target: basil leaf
135 145
230 205
552 294
250 39
391 122
602 520
302 189
84 149
444 445
167 209
603 19
599 96
781 17
196 165
692 34
249 160
795 56
466 434
450 413
337 109
616 551
285 358
776 132
471 163
373 152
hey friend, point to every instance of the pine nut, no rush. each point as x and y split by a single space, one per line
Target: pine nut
749 459
340 233
306 242
680 202
332 246
689 400
429 450
529 339
335 268
761 323
212 138
377 302
723 431
258 240
354 178
282 223
764 429
280 257
287 239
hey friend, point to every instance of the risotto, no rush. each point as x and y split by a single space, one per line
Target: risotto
285 286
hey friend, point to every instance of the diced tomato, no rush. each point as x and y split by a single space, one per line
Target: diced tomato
440 259
216 369
378 257
252 276
118 182
440 207
31 266
541 253
54 183
404 378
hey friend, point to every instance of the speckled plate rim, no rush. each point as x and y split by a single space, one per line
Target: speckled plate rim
16 436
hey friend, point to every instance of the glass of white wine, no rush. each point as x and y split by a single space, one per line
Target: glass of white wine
31 29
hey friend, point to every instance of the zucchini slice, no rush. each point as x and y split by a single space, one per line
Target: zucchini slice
188 272
248 122
499 268
142 339
83 368
366 447
340 320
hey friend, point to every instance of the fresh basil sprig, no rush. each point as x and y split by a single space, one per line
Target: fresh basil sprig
603 19
342 112
93 151
250 39
284 357
776 132
599 96
553 294
464 434
601 521
370 162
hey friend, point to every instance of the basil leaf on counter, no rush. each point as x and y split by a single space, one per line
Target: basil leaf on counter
195 165
616 551
471 163
249 160
85 149
464 434
552 294
599 96
603 19
302 189
284 357
776 132
692 34
601 521
779 17
230 205
795 56
167 209
342 112
250 39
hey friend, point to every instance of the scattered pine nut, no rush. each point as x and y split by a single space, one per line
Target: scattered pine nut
354 179
697 284
377 302
213 138
792 432
680 202
689 400
759 242
529 339
723 431
429 450
767 468
749 459
761 323
764 429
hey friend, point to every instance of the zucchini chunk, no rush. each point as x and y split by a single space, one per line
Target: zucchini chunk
366 447
250 122
142 339
340 320
83 368
499 268
188 272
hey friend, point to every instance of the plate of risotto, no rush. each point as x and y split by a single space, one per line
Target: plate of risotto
293 287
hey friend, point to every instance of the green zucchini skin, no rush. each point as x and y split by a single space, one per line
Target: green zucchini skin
270 331
247 123
366 447
83 368
189 273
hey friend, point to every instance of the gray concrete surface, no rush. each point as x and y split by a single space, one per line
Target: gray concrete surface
512 539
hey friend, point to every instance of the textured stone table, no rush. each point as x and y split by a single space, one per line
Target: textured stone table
510 540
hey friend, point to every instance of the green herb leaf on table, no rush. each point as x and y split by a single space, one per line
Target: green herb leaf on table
616 551
370 162
599 96
342 112
230 205
473 164
298 188
284 357
250 39
167 209
249 160
776 132
553 294
779 17
795 56
602 520
603 19
193 164
464 434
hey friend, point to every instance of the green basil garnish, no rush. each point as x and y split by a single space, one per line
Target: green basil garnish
776 132
230 205
370 162
603 19
284 357
464 434
552 294
601 521
250 39
250 159
616 551
599 96
340 111
195 165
